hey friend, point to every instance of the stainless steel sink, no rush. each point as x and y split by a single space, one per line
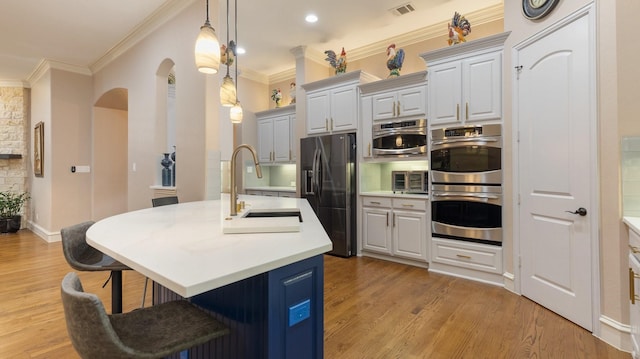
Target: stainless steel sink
273 213
274 220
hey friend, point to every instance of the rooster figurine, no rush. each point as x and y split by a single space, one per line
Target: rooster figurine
458 29
394 60
338 63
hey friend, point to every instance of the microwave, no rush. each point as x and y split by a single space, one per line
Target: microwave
400 138
410 181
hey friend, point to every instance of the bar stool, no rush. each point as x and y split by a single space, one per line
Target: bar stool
153 332
81 256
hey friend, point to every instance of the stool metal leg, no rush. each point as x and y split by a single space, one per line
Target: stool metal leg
116 292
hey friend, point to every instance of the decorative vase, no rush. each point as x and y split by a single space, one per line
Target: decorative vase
166 171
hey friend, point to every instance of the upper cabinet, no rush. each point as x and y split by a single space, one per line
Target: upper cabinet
332 104
397 97
465 82
276 134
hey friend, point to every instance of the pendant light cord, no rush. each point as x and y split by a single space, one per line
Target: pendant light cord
236 48
228 44
207 22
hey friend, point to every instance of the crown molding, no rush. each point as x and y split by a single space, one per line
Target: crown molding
483 16
45 65
16 83
159 17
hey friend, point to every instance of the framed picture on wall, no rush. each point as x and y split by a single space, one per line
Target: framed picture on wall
38 148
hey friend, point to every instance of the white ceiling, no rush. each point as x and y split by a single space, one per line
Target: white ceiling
81 32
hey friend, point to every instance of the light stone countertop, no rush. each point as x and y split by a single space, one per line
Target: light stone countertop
182 246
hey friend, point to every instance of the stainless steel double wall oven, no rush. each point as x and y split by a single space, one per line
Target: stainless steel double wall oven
466 178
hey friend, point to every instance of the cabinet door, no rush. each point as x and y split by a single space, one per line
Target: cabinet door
411 102
409 239
376 234
281 139
265 140
482 87
344 109
384 106
318 112
293 137
445 93
365 131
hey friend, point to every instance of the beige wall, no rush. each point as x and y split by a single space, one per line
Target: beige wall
70 144
136 71
109 170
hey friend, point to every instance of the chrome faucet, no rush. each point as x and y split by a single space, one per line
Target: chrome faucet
233 200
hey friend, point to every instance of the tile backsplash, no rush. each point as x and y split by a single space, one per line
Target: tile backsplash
275 175
631 176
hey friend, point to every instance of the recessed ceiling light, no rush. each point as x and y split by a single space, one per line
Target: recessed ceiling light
240 50
311 18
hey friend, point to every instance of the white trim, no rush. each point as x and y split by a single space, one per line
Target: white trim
47 236
509 282
160 16
17 83
588 11
615 334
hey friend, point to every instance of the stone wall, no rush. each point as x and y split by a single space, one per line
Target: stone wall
14 138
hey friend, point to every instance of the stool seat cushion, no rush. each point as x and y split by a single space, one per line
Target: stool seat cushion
152 332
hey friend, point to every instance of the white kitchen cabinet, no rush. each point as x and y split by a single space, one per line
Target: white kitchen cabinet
270 193
465 82
275 134
396 227
332 104
400 103
634 285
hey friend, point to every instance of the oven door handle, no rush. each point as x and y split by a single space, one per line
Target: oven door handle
471 195
461 140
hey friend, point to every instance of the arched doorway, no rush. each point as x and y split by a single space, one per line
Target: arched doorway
110 154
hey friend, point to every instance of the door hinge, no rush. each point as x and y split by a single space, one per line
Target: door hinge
518 199
518 71
519 261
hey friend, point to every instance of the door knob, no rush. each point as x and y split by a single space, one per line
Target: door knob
581 211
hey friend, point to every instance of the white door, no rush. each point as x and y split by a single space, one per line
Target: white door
556 170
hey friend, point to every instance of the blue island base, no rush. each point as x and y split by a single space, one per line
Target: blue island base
277 314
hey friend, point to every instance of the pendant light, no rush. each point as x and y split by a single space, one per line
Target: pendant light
236 111
207 49
228 88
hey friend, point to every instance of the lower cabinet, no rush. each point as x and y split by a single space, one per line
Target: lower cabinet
395 227
634 288
482 262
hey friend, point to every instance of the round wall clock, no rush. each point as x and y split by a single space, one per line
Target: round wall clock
537 9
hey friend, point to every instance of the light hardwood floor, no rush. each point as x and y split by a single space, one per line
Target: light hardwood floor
373 309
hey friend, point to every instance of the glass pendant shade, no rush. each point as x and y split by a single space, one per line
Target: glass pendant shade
236 113
207 50
228 92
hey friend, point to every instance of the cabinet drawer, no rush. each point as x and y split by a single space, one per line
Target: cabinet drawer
480 257
376 202
410 204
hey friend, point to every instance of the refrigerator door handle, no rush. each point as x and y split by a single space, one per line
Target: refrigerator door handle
319 174
308 182
314 171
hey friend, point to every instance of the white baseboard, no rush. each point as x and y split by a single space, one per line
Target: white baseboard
615 333
44 234
510 282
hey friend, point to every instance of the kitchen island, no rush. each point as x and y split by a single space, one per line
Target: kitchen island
267 287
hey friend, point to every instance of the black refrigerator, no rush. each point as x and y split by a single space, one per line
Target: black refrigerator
328 180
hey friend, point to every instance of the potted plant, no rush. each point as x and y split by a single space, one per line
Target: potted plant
11 204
